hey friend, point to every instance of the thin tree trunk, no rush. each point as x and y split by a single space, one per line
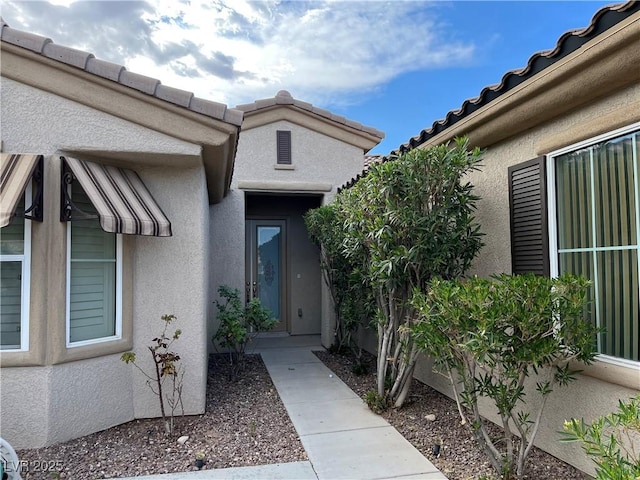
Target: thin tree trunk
508 468
407 379
160 394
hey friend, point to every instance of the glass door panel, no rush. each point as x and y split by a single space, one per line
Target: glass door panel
265 278
268 257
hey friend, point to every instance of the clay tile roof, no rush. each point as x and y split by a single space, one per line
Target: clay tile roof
568 42
117 73
371 159
283 97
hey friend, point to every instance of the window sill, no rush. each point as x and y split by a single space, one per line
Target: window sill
625 374
99 349
283 166
21 358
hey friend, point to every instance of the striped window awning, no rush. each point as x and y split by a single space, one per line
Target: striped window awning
123 203
15 172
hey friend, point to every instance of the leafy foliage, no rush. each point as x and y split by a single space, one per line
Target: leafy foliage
374 401
166 367
611 440
493 334
352 299
405 222
239 324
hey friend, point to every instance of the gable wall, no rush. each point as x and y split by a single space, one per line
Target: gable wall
321 164
316 158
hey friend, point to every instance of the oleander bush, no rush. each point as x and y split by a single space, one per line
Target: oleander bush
491 336
613 441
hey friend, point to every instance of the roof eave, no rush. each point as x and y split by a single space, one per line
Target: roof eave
577 79
360 138
218 138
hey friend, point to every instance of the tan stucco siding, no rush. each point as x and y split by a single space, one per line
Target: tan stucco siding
315 158
320 165
25 398
172 274
491 184
86 389
598 390
227 236
34 120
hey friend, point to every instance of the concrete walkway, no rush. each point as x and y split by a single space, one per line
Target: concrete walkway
342 437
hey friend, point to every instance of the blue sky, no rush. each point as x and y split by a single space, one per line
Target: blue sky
395 65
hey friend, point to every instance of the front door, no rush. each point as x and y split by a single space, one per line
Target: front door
265 266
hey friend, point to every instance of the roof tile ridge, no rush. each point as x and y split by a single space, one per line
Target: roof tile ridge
518 75
283 97
87 62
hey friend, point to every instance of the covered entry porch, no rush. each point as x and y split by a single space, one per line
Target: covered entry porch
282 266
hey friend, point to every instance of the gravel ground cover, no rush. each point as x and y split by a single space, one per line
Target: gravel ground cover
460 458
245 424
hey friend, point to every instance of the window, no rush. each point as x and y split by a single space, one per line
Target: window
94 278
284 147
596 231
15 268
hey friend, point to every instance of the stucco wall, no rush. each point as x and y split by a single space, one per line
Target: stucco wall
491 181
317 161
169 274
226 230
315 157
171 278
24 406
589 397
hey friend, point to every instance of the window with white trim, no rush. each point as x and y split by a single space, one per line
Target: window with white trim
15 270
94 278
595 231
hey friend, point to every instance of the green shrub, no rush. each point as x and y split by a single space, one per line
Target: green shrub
610 441
352 300
375 401
239 324
490 335
406 221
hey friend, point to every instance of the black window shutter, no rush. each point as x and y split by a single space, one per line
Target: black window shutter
529 220
284 146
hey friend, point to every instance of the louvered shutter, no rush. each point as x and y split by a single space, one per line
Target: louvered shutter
529 221
284 147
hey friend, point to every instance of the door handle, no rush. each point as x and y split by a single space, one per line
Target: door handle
247 291
255 288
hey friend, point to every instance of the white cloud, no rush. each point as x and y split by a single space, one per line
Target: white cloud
235 51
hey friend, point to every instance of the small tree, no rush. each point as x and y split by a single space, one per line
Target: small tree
405 222
166 366
612 441
490 335
239 324
352 300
